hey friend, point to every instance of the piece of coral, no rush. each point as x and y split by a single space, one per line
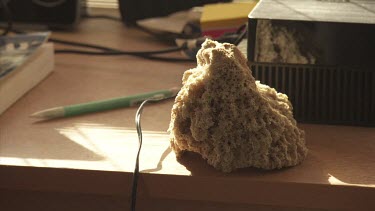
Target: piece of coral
233 121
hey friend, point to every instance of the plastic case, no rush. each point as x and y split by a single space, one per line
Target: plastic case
319 53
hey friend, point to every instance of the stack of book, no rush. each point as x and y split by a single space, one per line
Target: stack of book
221 18
25 60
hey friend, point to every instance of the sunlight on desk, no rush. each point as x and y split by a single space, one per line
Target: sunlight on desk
334 181
111 149
118 147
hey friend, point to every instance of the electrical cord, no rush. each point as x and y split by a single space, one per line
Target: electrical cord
145 56
133 198
79 44
242 31
7 17
103 51
110 51
106 51
138 116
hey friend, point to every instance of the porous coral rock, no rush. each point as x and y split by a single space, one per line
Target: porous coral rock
233 121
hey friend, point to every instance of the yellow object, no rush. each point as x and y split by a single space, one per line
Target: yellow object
225 15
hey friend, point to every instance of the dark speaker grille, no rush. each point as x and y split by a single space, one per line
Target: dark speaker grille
319 94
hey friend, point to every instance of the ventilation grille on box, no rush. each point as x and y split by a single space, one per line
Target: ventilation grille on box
333 95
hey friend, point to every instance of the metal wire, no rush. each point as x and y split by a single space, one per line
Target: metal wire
138 116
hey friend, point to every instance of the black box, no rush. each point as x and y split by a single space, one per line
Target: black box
62 14
320 53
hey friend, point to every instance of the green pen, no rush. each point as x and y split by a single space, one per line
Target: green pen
103 105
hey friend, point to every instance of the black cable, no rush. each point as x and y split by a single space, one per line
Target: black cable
138 116
7 17
111 50
79 44
242 31
114 52
136 169
106 51
145 56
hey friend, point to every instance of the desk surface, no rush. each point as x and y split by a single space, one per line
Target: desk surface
93 147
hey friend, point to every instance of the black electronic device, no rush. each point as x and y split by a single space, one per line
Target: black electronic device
320 53
133 10
51 13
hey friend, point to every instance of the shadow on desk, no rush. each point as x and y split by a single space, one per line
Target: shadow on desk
317 168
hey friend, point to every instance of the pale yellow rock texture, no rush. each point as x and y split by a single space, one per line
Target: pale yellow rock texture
233 121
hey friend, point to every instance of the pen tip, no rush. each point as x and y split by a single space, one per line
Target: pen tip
35 115
49 113
175 90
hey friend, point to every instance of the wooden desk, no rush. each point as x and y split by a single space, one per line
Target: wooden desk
86 162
